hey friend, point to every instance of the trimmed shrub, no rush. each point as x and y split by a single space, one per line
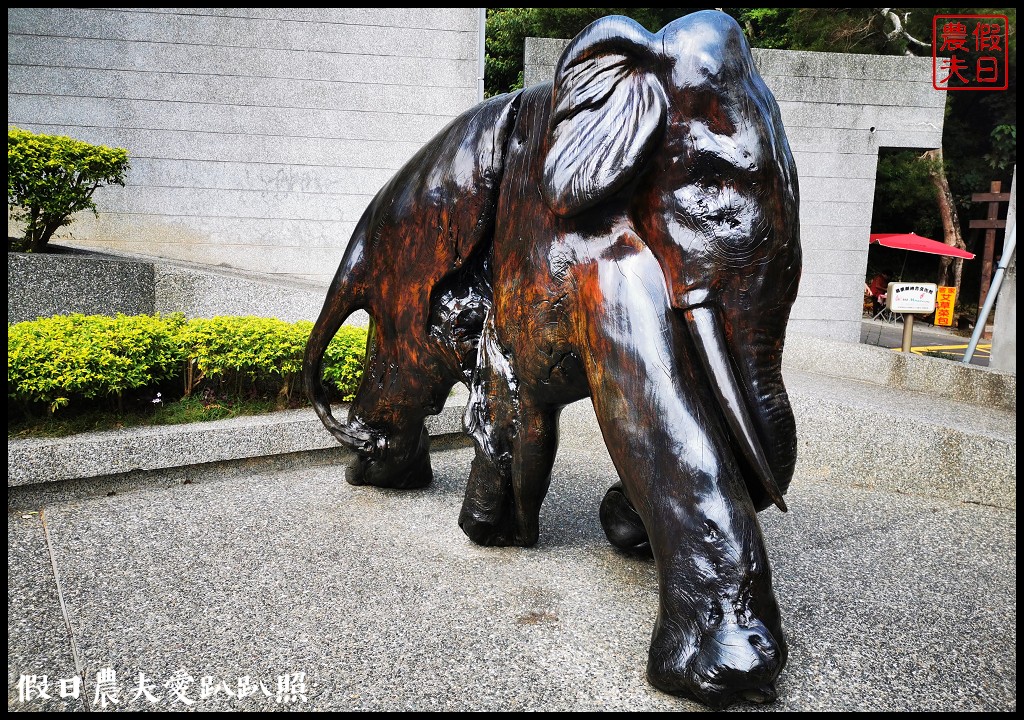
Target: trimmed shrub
81 357
261 352
242 352
52 360
52 177
344 361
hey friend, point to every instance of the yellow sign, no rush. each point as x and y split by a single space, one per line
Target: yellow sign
945 301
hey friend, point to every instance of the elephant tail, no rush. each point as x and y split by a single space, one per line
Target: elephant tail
343 298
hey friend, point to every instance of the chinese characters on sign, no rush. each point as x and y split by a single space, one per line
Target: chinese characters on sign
180 688
945 301
904 297
970 52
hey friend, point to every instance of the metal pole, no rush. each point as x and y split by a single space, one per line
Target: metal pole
908 331
481 57
1009 245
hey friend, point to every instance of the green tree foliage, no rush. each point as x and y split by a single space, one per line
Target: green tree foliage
909 194
508 28
766 27
51 177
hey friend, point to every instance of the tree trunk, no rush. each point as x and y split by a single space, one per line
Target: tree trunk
950 221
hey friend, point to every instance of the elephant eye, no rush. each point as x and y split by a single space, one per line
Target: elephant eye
727 217
707 184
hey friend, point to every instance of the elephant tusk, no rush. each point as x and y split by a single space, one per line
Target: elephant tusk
713 353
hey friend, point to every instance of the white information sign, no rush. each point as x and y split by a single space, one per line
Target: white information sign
911 297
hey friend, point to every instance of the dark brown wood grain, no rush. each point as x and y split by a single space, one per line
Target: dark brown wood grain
628 232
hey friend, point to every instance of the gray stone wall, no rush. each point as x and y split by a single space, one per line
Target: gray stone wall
1004 332
46 285
838 111
257 135
93 284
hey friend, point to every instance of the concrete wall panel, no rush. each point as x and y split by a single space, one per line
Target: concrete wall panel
235 91
257 135
841 330
269 32
220 119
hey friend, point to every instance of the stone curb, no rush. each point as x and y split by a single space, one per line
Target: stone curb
113 452
902 371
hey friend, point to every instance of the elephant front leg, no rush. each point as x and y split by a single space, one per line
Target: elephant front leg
516 439
718 635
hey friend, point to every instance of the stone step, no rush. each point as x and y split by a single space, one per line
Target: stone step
849 432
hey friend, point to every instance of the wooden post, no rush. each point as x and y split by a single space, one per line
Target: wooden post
991 223
908 331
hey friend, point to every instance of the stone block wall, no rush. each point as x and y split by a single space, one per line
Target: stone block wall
257 135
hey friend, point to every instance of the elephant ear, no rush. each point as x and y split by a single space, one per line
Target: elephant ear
607 115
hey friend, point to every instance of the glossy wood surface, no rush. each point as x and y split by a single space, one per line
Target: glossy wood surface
628 233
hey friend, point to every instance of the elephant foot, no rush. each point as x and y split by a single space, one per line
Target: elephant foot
484 530
488 515
622 525
725 664
390 469
499 526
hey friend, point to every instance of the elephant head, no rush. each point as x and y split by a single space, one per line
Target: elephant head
682 123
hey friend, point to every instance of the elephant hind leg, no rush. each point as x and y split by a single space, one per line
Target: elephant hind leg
506 489
400 388
400 465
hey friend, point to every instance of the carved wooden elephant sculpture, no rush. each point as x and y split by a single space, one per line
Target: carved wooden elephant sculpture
629 233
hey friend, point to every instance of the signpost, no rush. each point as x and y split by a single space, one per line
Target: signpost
910 298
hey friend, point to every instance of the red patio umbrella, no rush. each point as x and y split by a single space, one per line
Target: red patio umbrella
911 241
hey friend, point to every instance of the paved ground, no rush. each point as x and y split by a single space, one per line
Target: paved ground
927 340
891 601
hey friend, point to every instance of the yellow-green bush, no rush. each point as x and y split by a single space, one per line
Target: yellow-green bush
343 361
243 351
52 177
53 361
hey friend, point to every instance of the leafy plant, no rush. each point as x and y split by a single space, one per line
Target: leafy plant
343 361
52 360
89 359
52 177
243 351
1004 147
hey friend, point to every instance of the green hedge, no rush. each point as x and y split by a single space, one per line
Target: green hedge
55 361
